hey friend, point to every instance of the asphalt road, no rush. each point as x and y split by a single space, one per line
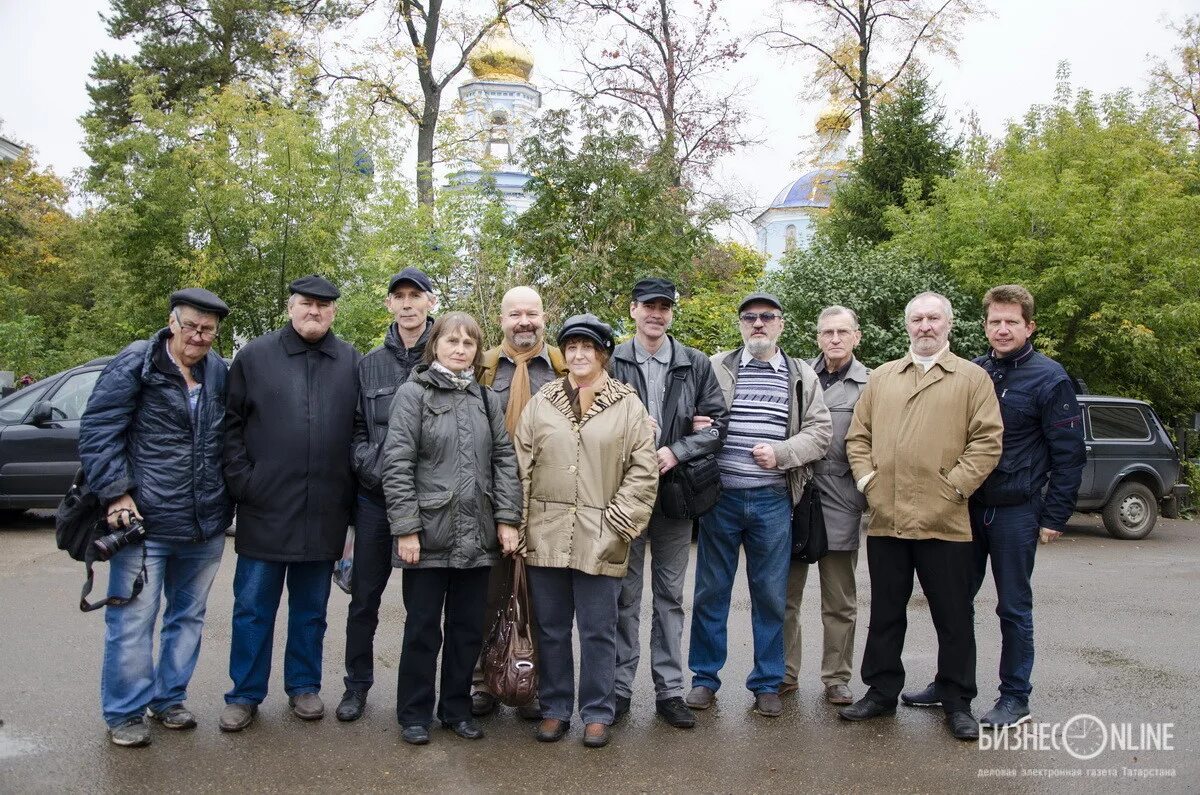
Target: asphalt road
1116 632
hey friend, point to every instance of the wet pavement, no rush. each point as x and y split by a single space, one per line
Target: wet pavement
1117 629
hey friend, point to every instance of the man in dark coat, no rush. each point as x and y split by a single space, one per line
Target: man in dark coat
381 372
150 444
292 395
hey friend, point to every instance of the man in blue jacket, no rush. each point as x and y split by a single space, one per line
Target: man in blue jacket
150 443
1031 493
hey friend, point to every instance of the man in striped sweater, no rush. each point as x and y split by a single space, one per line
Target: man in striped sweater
778 424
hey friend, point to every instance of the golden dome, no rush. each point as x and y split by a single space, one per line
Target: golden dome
834 119
500 57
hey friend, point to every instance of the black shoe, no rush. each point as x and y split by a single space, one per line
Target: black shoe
551 730
865 709
963 725
352 705
621 708
466 729
595 735
675 712
482 703
922 698
415 734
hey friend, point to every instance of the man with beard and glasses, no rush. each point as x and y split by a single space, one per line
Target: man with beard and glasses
380 373
515 370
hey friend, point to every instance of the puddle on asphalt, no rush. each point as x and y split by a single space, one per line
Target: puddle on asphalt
17 746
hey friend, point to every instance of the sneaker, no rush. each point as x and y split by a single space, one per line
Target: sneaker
1009 711
133 733
675 712
922 698
701 697
768 704
175 717
236 717
352 705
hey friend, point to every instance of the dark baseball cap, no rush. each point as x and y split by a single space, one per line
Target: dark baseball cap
414 275
652 288
315 286
589 327
760 298
201 299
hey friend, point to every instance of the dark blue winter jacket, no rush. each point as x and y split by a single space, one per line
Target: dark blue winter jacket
139 436
1043 436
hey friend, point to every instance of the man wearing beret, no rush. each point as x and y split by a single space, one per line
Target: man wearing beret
289 424
410 299
150 443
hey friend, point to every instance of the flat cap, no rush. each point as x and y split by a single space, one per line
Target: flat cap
760 298
650 289
315 286
589 327
414 275
204 300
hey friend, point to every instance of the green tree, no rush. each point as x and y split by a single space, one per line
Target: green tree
1093 206
710 291
912 149
876 283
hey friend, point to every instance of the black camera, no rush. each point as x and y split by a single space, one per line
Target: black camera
114 542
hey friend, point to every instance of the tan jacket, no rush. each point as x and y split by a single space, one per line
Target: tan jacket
589 486
930 438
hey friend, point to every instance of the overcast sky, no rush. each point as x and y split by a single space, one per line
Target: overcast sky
1007 63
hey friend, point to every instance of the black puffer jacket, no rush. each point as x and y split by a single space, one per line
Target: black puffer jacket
138 437
380 373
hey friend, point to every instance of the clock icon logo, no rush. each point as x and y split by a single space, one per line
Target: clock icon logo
1085 737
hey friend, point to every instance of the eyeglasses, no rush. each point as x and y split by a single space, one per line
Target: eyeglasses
750 318
192 330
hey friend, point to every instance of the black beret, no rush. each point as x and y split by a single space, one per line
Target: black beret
760 298
650 289
413 275
201 299
315 287
589 327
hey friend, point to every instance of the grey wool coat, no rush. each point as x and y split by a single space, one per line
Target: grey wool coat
841 501
449 471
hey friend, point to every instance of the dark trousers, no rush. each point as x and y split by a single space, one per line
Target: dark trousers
372 568
560 597
430 594
1009 536
257 589
946 572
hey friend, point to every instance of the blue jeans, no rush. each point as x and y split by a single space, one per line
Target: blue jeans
182 572
1009 536
257 589
761 521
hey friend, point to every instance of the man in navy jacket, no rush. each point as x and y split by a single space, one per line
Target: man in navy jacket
1031 493
151 443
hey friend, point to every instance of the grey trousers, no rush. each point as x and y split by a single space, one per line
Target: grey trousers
670 542
839 614
558 596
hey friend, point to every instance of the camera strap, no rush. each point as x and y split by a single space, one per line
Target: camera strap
111 601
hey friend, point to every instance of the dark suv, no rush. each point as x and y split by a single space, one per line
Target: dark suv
1132 466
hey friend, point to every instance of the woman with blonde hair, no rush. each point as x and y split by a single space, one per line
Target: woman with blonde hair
590 476
454 503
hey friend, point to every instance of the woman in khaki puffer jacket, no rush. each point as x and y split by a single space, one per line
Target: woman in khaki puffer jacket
585 450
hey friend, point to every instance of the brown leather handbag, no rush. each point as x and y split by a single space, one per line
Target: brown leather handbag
510 657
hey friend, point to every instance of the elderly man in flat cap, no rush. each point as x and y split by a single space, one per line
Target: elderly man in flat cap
150 443
289 423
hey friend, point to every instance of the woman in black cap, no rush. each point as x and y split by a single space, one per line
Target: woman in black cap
453 503
590 475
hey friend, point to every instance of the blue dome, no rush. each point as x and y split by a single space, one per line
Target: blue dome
814 189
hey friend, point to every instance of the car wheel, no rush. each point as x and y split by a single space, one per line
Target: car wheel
1131 512
10 515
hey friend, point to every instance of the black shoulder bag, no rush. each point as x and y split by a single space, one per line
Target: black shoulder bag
809 540
78 522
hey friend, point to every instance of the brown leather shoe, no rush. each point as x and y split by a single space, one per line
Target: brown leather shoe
551 730
838 694
595 735
787 688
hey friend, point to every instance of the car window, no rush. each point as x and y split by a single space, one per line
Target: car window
1118 422
71 399
18 405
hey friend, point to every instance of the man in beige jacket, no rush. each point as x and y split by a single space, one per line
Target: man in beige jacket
925 433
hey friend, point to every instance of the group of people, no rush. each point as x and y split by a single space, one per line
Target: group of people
591 460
